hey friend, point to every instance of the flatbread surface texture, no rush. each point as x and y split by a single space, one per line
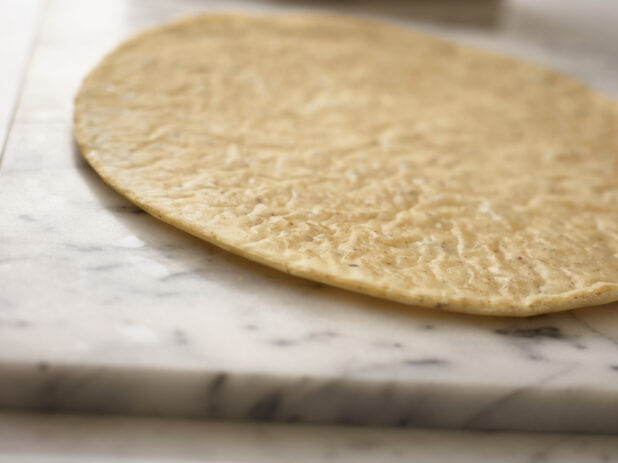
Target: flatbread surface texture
365 156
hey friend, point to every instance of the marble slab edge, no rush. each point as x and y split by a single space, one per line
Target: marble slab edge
49 388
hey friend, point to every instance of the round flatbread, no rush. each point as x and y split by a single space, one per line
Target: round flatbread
365 156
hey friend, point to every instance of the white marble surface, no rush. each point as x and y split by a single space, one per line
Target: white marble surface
31 438
105 309
18 19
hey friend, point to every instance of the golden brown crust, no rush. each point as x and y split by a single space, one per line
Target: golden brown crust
365 156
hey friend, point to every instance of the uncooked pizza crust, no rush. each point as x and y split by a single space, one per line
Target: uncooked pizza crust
365 156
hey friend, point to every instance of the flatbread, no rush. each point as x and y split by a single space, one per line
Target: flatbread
365 156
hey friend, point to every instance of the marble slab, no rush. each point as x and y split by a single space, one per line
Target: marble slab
18 19
37 438
105 309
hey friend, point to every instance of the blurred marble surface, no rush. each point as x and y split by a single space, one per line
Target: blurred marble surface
18 26
31 438
105 309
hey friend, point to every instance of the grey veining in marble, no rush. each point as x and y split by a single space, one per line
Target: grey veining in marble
35 438
105 309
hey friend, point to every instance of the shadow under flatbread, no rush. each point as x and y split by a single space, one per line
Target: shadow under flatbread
154 232
150 230
136 219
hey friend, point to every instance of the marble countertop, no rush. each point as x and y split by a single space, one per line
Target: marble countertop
32 438
105 309
18 22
